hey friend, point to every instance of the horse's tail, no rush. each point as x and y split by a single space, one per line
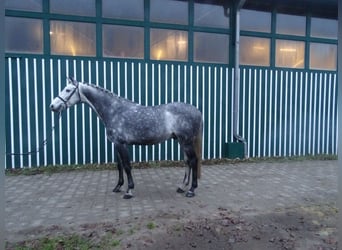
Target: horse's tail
198 149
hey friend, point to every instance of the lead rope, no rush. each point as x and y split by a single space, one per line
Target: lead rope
42 144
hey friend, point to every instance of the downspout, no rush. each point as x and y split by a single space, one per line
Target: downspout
236 108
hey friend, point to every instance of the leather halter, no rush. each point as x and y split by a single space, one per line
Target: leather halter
65 101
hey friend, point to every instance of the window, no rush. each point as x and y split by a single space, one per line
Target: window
169 45
169 11
123 41
291 25
254 51
324 28
323 56
71 38
251 20
23 35
209 47
123 9
27 5
74 7
209 15
290 54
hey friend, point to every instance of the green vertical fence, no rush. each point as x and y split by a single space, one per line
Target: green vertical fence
282 112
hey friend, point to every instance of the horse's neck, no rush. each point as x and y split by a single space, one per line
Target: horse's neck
102 102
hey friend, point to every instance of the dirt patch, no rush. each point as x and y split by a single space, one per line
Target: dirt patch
303 227
296 228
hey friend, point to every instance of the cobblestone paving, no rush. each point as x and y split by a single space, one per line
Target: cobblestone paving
79 197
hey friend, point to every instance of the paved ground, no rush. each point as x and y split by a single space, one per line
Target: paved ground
79 197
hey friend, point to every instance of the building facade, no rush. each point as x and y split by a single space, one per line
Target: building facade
161 51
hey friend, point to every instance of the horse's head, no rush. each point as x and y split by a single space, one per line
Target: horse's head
68 97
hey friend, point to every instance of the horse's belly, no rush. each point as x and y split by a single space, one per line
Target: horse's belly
148 139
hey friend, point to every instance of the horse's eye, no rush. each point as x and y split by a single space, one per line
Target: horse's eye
67 90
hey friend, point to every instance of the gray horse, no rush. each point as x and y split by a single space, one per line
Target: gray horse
129 123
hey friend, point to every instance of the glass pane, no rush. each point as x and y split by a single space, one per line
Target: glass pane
291 25
71 38
255 20
290 54
123 41
254 51
123 9
74 7
169 45
209 47
210 15
169 11
323 56
30 5
23 35
325 28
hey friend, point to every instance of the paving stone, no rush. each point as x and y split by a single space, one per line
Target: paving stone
82 197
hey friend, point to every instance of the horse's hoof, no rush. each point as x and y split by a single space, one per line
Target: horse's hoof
190 194
128 196
179 190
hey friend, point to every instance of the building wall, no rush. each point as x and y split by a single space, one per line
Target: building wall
287 102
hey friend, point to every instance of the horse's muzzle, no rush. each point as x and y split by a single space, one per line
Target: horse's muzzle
56 108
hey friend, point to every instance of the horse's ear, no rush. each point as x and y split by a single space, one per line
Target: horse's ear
72 80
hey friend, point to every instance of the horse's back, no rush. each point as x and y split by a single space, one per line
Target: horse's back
183 109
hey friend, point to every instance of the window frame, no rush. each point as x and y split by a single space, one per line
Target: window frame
40 21
122 26
99 20
147 24
274 36
79 24
269 54
279 43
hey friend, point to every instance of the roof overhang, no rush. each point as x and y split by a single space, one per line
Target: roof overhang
319 8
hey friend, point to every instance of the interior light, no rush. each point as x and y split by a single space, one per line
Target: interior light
288 50
299 63
258 47
159 54
73 51
181 42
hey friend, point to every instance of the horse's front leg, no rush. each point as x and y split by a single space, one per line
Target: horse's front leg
118 186
124 156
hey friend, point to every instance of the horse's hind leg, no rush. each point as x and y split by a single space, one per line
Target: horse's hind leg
192 163
124 156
